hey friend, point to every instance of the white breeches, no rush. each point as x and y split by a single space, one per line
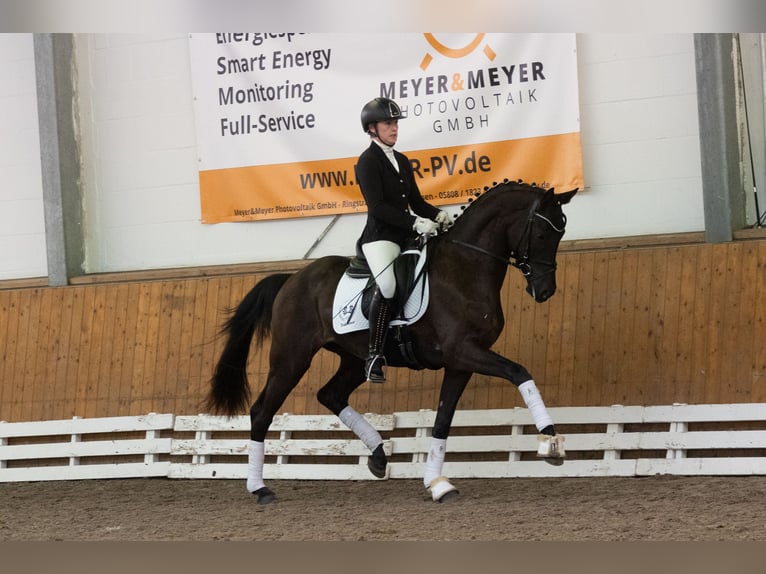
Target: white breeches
380 257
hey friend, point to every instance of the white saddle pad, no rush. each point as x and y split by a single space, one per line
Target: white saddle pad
347 313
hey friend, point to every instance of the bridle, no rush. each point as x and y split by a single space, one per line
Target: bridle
522 262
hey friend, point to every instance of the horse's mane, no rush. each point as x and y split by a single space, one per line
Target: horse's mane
497 188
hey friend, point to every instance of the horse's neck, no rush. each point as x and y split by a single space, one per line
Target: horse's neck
480 247
487 226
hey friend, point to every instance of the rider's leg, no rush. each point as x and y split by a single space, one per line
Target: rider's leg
380 256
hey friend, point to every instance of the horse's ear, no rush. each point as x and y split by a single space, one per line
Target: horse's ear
566 196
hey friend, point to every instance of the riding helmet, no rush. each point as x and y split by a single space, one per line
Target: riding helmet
379 110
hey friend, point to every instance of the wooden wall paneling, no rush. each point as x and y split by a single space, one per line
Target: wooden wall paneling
582 330
744 344
6 351
151 335
182 388
81 340
184 326
686 310
213 322
30 301
731 317
759 336
698 345
637 349
20 325
655 373
98 337
597 321
74 352
60 389
626 337
161 346
112 358
611 330
670 318
50 355
140 344
547 377
649 325
198 381
563 371
715 328
174 299
40 381
126 385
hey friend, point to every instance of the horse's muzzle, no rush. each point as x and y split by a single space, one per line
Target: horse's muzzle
540 293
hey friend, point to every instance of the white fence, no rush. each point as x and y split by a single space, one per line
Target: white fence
725 439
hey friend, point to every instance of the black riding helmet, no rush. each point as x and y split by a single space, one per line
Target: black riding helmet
380 110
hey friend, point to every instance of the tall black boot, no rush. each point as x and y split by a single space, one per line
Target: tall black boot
380 313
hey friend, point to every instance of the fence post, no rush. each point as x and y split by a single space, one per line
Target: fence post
3 442
75 460
151 435
613 428
515 455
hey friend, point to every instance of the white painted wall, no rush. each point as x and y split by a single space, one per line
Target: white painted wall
639 134
22 224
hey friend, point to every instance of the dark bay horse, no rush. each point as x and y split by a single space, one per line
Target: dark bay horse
512 223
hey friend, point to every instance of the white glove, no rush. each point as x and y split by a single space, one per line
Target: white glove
425 226
443 219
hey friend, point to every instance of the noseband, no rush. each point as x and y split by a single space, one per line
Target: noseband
522 262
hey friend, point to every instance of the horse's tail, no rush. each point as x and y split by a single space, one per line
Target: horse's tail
230 391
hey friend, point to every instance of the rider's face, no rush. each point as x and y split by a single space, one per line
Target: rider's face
388 131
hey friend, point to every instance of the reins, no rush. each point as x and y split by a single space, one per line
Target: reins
522 263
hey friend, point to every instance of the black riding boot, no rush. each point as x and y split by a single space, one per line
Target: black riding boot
380 313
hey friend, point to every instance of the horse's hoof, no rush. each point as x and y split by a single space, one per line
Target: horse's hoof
442 489
451 495
551 449
378 462
377 470
265 495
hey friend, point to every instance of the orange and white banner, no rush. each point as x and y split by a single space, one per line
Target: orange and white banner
279 132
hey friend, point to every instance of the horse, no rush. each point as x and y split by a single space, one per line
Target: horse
512 223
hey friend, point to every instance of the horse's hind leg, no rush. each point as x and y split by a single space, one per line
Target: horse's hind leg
334 396
284 374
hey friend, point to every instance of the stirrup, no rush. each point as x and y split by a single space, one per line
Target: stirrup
374 369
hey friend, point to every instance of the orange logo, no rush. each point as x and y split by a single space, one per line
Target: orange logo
455 52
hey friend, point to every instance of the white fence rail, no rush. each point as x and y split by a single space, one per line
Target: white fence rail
725 439
118 447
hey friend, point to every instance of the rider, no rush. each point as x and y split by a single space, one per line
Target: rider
388 185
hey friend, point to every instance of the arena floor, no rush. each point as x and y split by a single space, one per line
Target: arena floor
662 508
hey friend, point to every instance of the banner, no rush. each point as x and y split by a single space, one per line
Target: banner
279 131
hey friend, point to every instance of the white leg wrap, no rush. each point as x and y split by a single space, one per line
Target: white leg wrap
535 404
360 427
255 455
434 461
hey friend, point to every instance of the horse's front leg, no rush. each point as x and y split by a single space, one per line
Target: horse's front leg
436 483
486 362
